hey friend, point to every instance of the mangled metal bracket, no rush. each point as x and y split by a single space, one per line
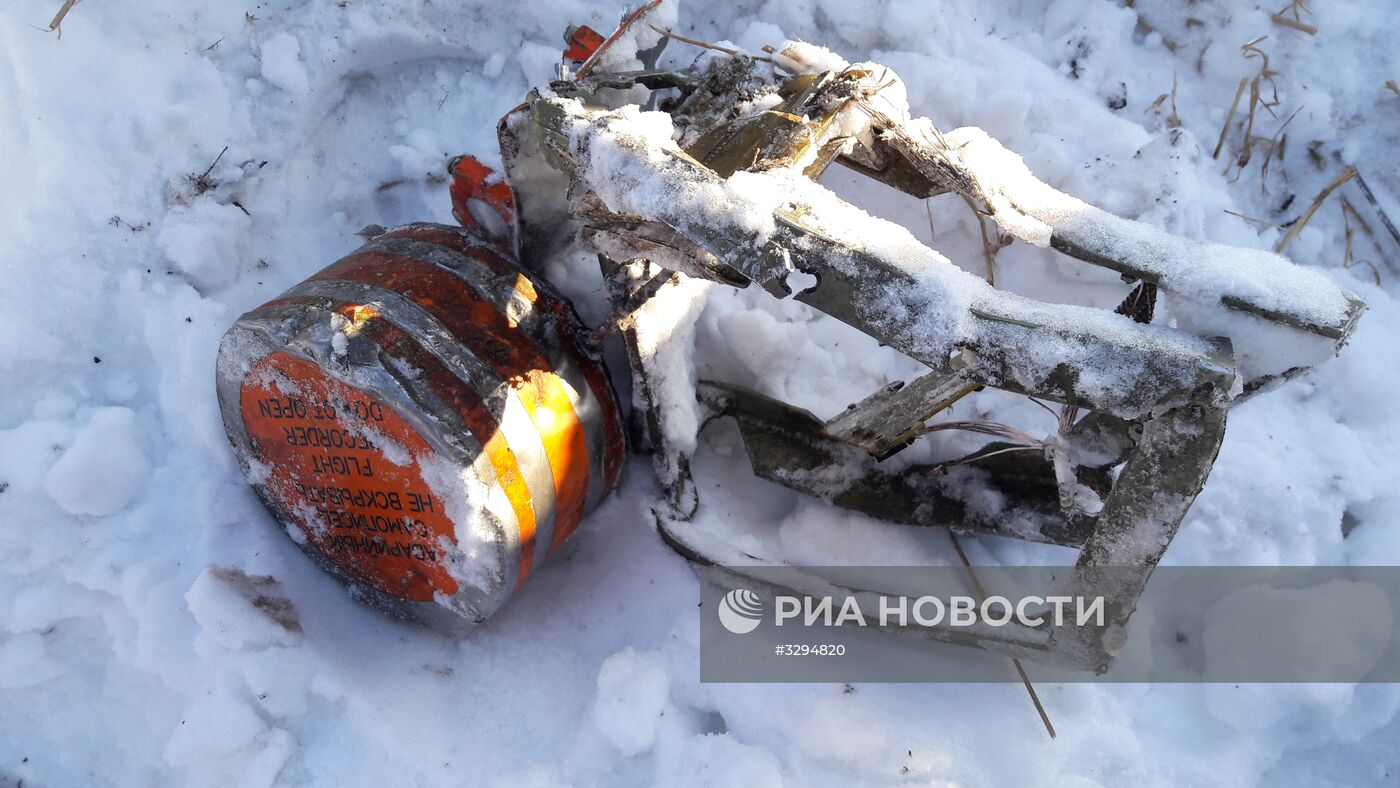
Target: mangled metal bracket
1155 399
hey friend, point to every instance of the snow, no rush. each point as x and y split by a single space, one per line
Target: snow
202 239
239 612
664 336
223 740
281 63
633 691
104 468
1030 210
1357 618
125 657
25 662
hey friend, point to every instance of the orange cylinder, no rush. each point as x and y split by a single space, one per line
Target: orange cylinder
423 418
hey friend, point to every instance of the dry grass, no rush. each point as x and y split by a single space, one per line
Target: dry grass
1257 100
1391 230
1276 145
1230 117
1263 95
993 239
1349 257
1297 8
1297 227
1254 220
1315 155
1146 28
1173 120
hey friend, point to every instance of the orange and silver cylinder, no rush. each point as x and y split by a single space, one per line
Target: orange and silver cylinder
424 419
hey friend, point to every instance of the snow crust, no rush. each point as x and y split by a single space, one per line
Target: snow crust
124 661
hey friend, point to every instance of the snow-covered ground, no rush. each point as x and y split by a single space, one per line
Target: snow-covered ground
126 660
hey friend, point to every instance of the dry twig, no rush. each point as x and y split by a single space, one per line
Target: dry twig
706 44
1020 671
56 25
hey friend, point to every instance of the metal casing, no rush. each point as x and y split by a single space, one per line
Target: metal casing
423 418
